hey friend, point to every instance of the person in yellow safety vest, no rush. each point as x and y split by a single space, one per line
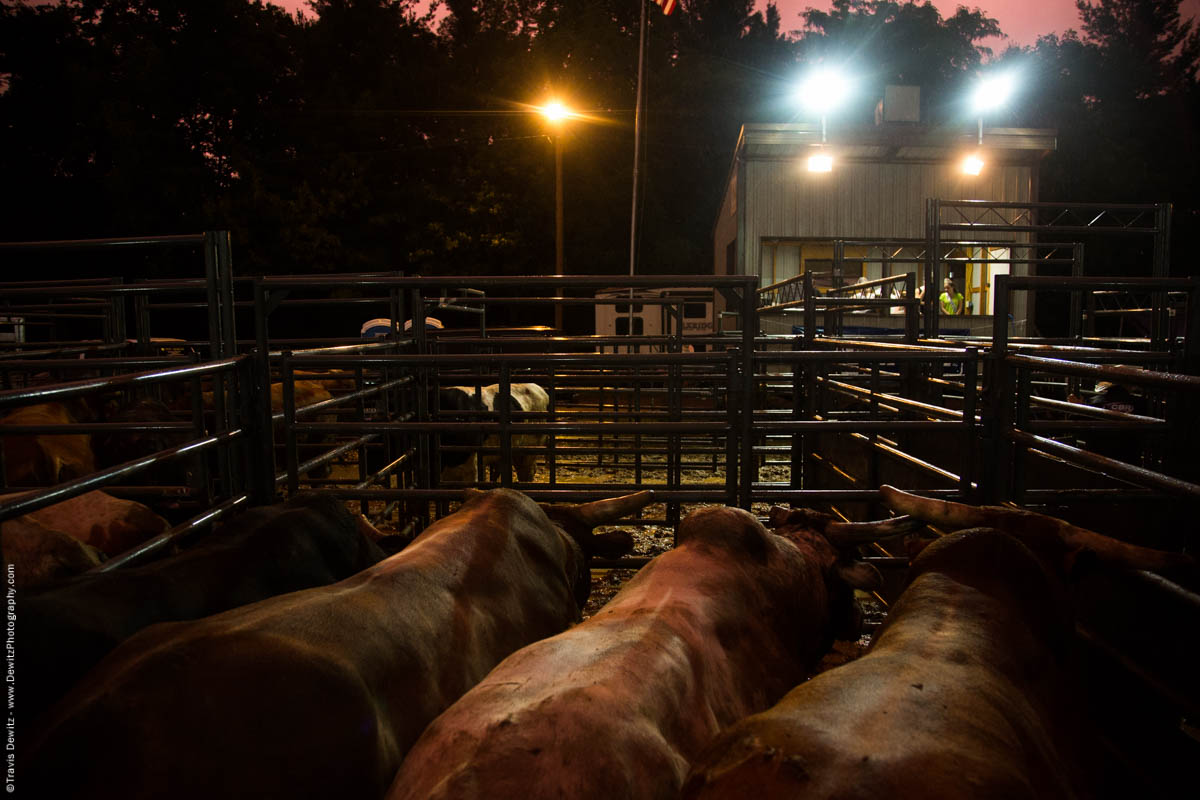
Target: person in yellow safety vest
952 301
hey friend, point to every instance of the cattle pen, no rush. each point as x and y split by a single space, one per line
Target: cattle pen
269 389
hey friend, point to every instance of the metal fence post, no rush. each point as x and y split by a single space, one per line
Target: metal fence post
225 294
933 246
1076 329
732 419
999 389
504 405
749 473
1161 324
971 438
287 389
259 424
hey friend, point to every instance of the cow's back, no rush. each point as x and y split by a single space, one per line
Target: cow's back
348 674
619 705
69 627
960 696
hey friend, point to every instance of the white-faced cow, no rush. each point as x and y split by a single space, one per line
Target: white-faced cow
618 706
527 397
312 540
320 693
963 693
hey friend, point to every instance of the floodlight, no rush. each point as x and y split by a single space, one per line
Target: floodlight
824 90
972 164
820 162
992 92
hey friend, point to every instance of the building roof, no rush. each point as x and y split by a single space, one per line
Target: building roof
894 143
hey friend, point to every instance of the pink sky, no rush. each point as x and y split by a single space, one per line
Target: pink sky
1022 20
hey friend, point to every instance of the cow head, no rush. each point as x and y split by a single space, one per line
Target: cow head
999 564
1057 542
577 522
833 543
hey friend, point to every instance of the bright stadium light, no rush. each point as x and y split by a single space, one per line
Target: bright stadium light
824 90
992 92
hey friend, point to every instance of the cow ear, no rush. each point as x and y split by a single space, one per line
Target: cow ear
860 575
779 516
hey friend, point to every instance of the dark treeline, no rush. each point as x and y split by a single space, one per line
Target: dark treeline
365 136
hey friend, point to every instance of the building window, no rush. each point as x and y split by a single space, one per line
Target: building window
623 326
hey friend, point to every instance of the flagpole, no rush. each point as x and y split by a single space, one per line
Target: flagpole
637 147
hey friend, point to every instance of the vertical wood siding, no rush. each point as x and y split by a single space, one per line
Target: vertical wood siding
857 200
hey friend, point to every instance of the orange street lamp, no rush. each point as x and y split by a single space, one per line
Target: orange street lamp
555 112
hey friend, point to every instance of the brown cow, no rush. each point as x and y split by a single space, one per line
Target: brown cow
39 555
45 459
312 540
107 523
963 693
618 706
320 693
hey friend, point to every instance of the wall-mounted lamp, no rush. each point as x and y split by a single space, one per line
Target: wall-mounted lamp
820 162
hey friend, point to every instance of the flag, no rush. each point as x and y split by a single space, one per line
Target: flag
667 5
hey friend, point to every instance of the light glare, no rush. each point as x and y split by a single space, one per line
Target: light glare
972 165
992 92
824 90
555 111
821 162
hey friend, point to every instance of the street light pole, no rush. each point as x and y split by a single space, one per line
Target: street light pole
558 203
555 112
558 224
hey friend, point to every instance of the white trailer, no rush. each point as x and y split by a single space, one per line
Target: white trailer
654 312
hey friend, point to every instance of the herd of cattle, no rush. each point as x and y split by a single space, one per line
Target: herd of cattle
289 656
292 654
73 536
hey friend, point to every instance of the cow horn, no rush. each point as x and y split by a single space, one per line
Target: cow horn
939 512
602 512
850 534
1035 530
1114 551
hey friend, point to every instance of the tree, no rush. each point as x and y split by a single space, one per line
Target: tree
1123 96
720 65
128 118
909 43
